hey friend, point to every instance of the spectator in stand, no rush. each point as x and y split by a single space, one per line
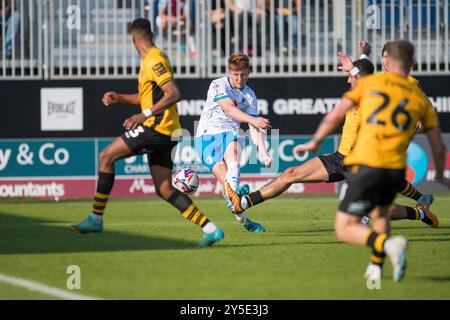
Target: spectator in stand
176 13
218 26
10 22
285 14
252 10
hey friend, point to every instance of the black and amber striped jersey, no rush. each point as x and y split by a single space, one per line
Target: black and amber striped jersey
154 73
349 131
352 120
390 106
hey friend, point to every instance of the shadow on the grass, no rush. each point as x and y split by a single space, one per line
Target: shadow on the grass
302 232
423 226
429 239
271 244
26 235
434 278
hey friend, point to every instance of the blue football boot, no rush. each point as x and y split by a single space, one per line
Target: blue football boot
208 239
252 226
88 225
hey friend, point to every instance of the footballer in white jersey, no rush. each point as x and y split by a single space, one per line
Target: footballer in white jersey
214 119
231 102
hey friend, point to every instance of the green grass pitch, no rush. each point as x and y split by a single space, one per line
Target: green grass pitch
147 251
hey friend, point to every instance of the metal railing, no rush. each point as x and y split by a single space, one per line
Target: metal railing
20 39
63 39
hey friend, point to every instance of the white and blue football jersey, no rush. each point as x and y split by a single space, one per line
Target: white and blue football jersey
214 119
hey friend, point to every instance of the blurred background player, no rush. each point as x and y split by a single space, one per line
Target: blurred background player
390 107
149 132
421 210
230 101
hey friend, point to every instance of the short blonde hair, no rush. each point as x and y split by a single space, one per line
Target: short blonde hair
238 61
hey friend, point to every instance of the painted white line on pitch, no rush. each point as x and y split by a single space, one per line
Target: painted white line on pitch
42 288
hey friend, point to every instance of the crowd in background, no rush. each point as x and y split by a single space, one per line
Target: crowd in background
240 11
9 27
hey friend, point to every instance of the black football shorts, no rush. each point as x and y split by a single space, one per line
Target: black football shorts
334 164
157 146
369 187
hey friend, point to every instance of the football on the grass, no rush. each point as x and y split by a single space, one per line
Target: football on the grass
185 180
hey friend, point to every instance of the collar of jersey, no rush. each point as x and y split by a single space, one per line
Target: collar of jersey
148 51
240 90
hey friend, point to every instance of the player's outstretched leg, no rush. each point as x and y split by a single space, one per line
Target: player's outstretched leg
242 218
161 176
313 171
408 190
418 212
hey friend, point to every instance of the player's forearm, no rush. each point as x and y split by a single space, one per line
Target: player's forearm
258 139
439 160
237 114
129 99
438 150
327 127
165 102
332 120
439 155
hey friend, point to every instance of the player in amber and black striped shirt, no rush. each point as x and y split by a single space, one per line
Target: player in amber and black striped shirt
390 107
148 132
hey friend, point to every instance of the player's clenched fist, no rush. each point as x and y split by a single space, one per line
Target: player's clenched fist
312 145
260 122
110 98
133 121
364 47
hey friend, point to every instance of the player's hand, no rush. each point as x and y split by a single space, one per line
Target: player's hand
260 122
312 145
364 48
133 121
110 98
419 127
347 64
267 160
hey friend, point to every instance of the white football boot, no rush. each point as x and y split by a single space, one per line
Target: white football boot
396 249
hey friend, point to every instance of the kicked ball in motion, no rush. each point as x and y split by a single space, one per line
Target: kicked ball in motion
185 180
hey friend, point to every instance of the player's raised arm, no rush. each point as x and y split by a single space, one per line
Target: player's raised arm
364 49
112 97
327 126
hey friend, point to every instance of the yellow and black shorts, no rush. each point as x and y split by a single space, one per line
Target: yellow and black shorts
369 187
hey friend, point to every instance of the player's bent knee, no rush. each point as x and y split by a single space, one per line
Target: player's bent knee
288 175
106 157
